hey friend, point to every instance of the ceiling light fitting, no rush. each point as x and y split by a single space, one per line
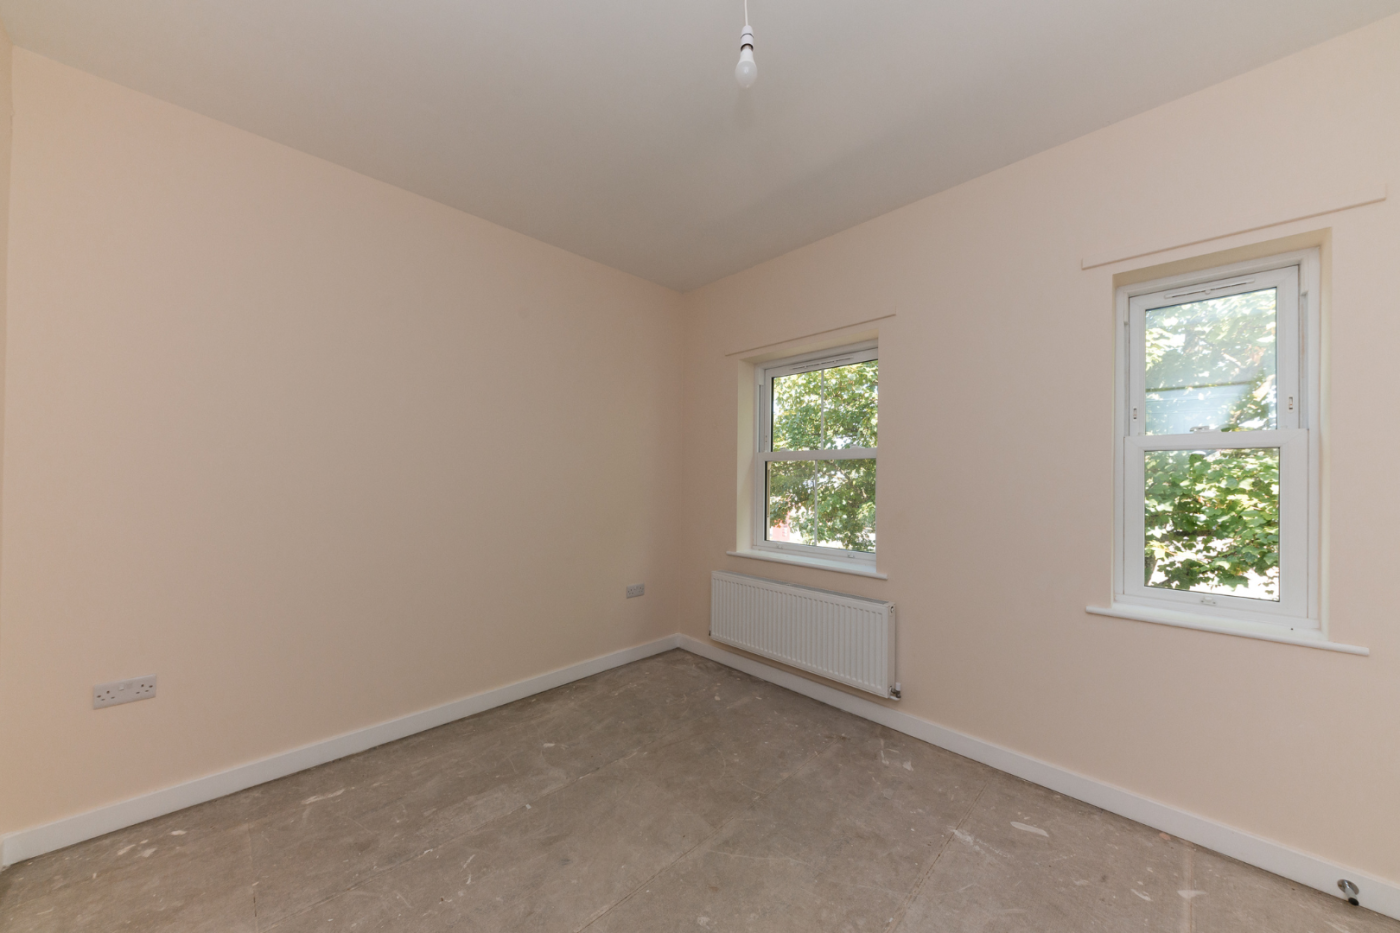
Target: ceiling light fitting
746 72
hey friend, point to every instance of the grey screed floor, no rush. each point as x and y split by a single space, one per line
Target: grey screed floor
670 794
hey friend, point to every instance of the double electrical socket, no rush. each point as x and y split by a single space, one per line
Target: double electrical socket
636 589
123 691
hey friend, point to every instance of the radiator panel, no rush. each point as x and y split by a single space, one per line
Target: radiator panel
843 638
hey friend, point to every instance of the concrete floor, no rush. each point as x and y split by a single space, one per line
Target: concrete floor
671 794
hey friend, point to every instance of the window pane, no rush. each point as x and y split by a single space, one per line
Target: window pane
791 512
1212 521
797 411
851 413
846 504
827 408
1211 365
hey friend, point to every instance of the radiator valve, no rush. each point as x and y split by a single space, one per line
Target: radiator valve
896 692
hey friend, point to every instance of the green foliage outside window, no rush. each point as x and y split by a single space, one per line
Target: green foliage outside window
832 502
1212 516
1213 519
1213 363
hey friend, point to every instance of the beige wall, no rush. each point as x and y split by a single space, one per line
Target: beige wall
320 453
996 442
315 451
6 101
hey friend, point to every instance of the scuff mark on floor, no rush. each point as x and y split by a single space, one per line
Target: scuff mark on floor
979 845
1027 828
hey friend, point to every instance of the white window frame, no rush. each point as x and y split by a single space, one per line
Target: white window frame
764 453
1297 438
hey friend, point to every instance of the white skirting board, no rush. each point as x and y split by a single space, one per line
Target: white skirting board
1380 896
27 843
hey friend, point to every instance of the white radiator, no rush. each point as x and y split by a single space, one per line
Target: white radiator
844 638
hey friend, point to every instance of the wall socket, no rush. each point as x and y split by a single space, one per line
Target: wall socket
636 589
123 691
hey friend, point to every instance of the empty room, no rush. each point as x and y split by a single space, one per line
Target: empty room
731 467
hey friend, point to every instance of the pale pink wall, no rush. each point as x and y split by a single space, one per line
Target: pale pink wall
315 451
996 439
320 453
6 101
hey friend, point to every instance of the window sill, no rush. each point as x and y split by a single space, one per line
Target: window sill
1261 631
840 566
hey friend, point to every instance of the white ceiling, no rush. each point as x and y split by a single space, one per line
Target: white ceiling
615 129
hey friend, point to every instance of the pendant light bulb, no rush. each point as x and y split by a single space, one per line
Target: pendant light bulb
746 72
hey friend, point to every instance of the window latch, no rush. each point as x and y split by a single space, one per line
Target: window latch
1290 403
1134 414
